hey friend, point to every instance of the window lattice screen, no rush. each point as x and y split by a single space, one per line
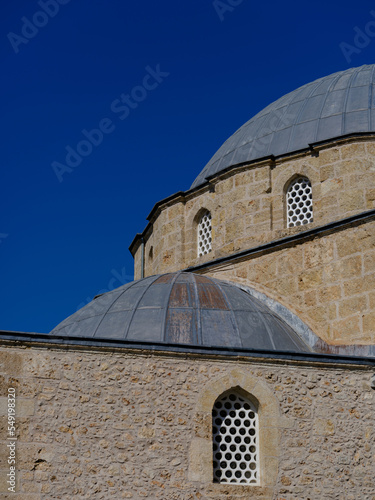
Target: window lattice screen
235 446
299 202
204 235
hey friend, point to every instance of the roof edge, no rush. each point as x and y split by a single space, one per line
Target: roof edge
63 341
357 219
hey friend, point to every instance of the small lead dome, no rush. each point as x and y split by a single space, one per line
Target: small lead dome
333 106
186 309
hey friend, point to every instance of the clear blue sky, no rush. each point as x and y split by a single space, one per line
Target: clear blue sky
63 242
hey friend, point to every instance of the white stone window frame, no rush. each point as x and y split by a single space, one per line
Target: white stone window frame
299 202
272 422
235 432
204 234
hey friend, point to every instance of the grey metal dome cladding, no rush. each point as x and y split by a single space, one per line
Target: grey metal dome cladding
183 308
333 106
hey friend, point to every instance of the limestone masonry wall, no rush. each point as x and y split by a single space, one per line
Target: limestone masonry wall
248 206
100 425
329 281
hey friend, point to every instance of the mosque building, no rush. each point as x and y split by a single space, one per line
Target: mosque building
240 363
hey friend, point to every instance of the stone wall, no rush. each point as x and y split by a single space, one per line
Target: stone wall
114 424
248 206
329 281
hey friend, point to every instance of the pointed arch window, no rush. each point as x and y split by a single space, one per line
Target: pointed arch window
299 202
204 234
235 440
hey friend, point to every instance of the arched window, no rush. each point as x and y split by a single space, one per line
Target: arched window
235 440
204 234
299 205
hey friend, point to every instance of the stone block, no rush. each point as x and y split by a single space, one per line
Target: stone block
345 330
359 285
233 229
231 197
175 210
259 188
261 174
241 272
370 199
329 293
10 363
266 269
244 178
290 261
311 298
224 186
352 306
368 322
371 296
200 460
346 247
169 227
263 216
327 172
270 438
226 249
330 186
353 150
285 286
329 155
369 261
318 253
24 407
350 267
323 314
351 201
324 426
310 279
240 209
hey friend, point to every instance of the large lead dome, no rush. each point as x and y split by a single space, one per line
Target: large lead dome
333 106
185 309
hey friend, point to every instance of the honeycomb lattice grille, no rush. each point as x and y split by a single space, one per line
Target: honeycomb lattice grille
204 235
299 202
235 447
